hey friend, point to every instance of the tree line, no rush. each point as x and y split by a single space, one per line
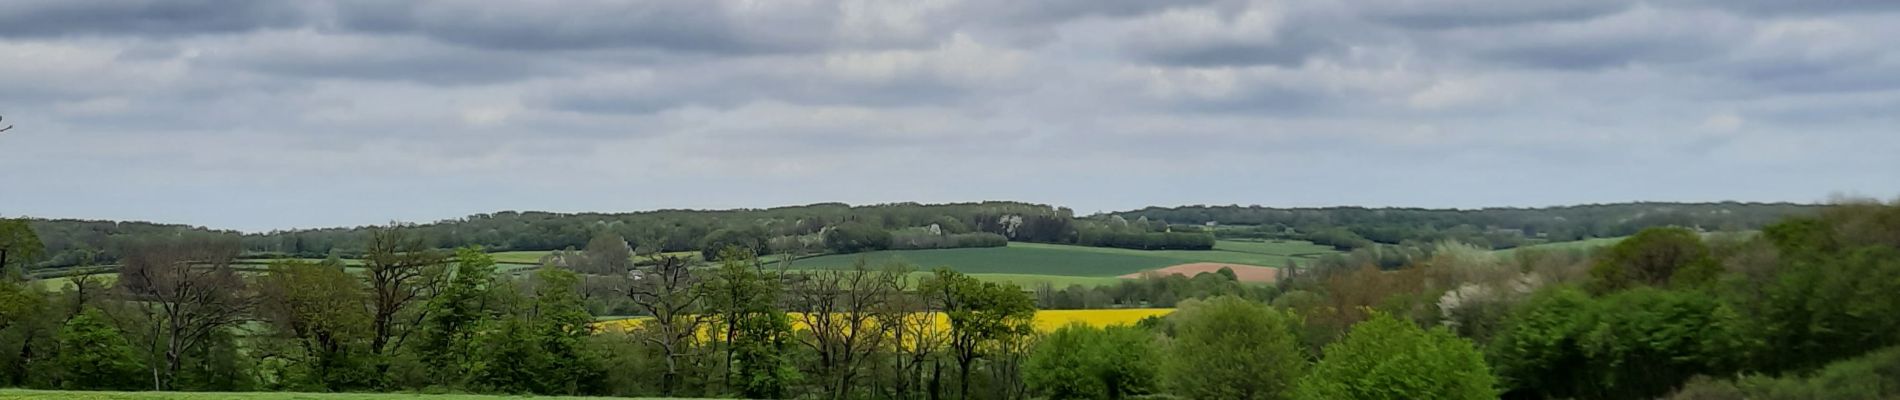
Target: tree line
1348 228
804 229
1668 312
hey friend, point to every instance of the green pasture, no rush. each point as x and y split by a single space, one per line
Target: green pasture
1017 258
1289 248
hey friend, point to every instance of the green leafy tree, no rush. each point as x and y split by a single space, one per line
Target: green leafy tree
19 246
507 358
756 332
985 317
454 314
1230 348
1827 291
1655 257
853 237
1537 354
1083 362
95 355
321 310
1387 358
1645 343
1640 343
564 325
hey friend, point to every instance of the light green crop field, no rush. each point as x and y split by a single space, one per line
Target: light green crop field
519 257
1017 258
1180 256
1292 248
61 283
1021 261
79 395
534 257
1028 281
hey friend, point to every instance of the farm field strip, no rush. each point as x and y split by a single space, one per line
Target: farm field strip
1014 259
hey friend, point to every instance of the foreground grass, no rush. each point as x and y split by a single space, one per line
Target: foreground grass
81 395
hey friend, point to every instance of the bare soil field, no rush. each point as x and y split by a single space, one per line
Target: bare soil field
1246 273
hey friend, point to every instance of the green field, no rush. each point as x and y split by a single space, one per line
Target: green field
1022 262
1291 248
78 395
533 257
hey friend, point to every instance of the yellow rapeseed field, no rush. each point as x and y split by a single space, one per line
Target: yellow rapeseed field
1046 320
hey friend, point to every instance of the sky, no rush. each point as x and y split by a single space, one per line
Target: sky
257 115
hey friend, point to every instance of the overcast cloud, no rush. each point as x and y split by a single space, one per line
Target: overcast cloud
259 115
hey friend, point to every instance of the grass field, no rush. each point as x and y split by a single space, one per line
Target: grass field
534 257
1061 265
1288 248
1017 258
78 395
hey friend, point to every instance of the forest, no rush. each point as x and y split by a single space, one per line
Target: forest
1802 308
810 229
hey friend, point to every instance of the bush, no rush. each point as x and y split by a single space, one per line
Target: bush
1386 358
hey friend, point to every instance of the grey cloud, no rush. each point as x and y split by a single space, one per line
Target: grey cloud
174 99
1449 14
1291 50
54 18
368 57
1599 54
690 27
1802 7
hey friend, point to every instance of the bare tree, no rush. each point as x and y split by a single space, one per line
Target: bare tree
189 291
6 128
915 338
841 308
664 289
402 271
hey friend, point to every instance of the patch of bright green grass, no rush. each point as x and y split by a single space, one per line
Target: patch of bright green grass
1296 248
1017 258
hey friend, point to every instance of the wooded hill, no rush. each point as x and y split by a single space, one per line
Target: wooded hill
842 228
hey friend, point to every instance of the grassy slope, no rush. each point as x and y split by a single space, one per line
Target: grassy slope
1291 248
78 395
1017 258
1032 259
534 257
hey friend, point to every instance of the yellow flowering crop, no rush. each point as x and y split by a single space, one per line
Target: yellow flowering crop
1046 320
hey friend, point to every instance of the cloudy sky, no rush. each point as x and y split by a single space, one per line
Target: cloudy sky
258 115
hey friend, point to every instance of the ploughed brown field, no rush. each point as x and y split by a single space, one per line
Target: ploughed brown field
1246 273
